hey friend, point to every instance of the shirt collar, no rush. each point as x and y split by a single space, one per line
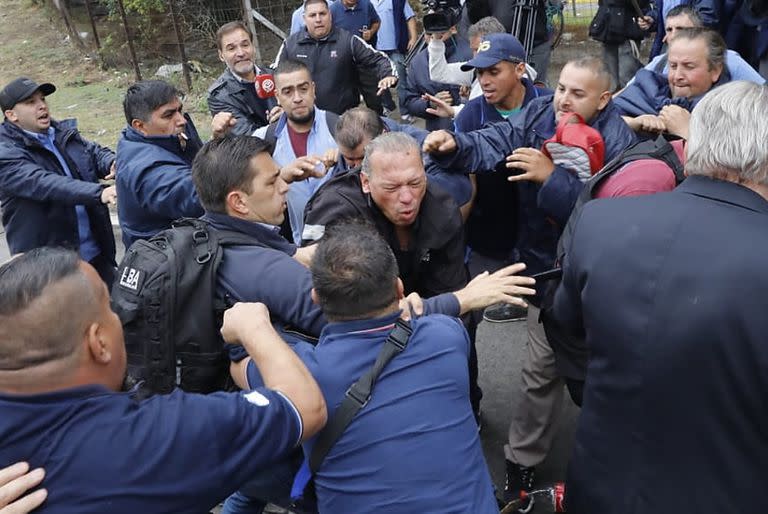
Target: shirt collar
43 138
360 325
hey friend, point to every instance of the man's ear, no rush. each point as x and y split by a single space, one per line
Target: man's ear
715 73
235 203
315 298
11 115
138 125
98 346
400 289
365 183
605 97
221 56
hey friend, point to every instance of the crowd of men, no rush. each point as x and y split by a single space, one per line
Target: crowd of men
375 246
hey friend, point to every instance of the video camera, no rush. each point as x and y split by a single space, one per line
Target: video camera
441 15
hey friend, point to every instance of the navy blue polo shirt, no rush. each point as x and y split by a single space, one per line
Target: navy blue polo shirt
363 14
105 452
414 447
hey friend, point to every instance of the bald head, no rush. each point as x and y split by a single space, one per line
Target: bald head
44 308
57 330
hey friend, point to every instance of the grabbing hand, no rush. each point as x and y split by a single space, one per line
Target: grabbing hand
242 320
439 107
648 123
109 195
536 166
112 171
645 23
330 157
222 123
274 114
676 120
503 286
303 168
14 482
439 142
411 303
386 83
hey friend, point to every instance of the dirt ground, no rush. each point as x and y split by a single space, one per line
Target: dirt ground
35 44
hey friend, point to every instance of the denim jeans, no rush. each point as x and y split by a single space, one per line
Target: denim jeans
271 485
402 74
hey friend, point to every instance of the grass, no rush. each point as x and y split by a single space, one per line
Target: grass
39 49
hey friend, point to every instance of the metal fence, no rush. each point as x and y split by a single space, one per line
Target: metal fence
145 35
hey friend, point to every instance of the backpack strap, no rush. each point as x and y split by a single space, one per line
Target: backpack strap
358 394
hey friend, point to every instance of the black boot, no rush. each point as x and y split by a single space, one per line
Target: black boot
519 478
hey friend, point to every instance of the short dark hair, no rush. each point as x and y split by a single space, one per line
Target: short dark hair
357 124
230 27
289 66
38 325
354 271
686 10
598 67
310 2
224 165
142 98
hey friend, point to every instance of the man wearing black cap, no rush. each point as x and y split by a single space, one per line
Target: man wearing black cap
49 180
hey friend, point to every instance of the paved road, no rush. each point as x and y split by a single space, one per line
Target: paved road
501 349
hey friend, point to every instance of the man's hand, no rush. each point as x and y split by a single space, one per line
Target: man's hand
439 107
274 114
222 123
386 83
646 123
303 168
304 255
243 320
645 23
366 34
14 482
411 43
676 120
465 91
536 166
109 195
445 96
503 286
412 302
112 171
439 142
330 157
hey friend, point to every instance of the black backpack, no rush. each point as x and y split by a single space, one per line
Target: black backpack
164 295
570 349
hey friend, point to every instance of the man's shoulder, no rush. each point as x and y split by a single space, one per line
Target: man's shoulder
441 211
224 83
342 191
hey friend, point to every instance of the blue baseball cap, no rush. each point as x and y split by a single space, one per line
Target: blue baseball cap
495 48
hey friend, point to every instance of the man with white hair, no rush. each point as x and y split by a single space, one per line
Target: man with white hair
668 289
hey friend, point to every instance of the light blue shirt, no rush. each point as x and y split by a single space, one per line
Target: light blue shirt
319 141
386 40
737 67
88 246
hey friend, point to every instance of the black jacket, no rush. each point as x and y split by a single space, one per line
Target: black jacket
436 263
229 94
336 62
38 199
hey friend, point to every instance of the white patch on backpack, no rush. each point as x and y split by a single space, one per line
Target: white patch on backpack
130 279
257 398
